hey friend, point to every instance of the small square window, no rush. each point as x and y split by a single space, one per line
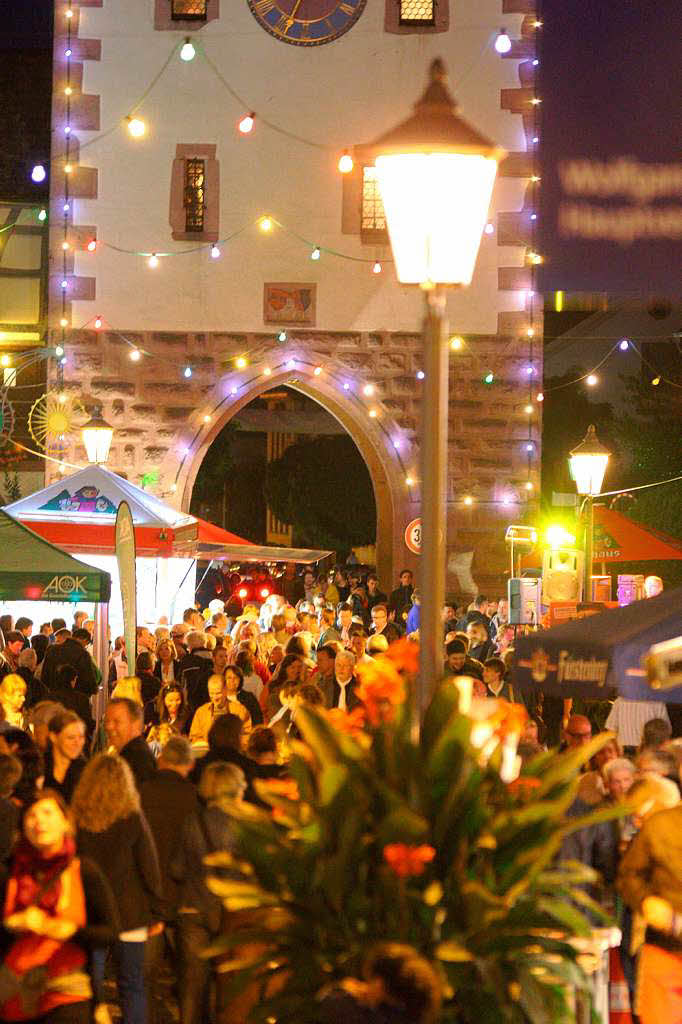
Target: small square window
195 195
189 10
372 217
9 376
417 12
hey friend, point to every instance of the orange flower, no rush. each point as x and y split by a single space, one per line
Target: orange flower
405 656
381 689
408 861
287 788
524 785
349 722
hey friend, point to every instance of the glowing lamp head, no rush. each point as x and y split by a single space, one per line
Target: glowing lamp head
558 537
215 252
317 371
539 397
97 435
368 390
345 164
136 127
468 500
92 245
153 261
187 51
420 375
592 380
5 360
282 336
489 378
187 372
98 322
435 174
42 215
489 228
265 224
316 253
59 351
624 345
240 363
588 462
38 173
456 343
656 381
376 269
245 125
135 355
267 372
503 43
63 322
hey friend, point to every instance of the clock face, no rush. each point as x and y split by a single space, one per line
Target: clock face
307 22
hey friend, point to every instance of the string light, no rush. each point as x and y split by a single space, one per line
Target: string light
233 391
135 355
98 322
69 13
42 215
529 485
267 371
346 386
282 336
215 252
503 43
291 364
535 178
153 261
265 223
187 372
468 500
187 51
64 284
65 246
241 363
68 91
63 322
536 101
317 371
420 375
530 447
67 129
656 381
539 397
409 481
245 125
315 254
591 379
59 351
66 207
92 245
624 345
368 390
173 488
535 258
528 409
136 127
456 343
489 378
376 269
38 173
489 228
530 332
345 163
68 51
207 418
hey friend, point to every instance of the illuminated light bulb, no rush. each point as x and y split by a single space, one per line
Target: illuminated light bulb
315 254
135 355
539 397
92 245
535 258
535 178
38 173
246 124
233 391
63 322
65 246
68 52
265 224
345 163
62 398
282 336
591 380
489 378
59 351
368 390
529 485
535 62
535 101
215 252
409 481
291 364
68 168
187 372
187 51
64 284
456 343
656 381
624 345
396 444
420 375
528 409
98 322
240 363
267 371
376 269
42 215
153 261
67 129
66 207
5 361
489 228
506 500
530 370
317 371
468 500
69 13
535 140
346 386
531 332
503 43
373 414
537 24
63 361
173 488
136 127
207 418
184 451
68 91
530 447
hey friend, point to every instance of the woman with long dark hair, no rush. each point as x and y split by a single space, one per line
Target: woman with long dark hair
234 678
289 670
64 761
173 710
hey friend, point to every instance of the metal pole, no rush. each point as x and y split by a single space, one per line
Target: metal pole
433 465
589 536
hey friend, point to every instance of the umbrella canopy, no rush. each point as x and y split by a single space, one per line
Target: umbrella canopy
617 538
31 569
587 657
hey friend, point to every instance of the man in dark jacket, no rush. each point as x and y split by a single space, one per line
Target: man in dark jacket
70 650
168 798
400 601
68 696
123 722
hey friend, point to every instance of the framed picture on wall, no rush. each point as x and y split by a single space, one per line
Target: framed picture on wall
293 304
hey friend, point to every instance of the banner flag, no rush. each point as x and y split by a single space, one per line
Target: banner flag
125 556
610 190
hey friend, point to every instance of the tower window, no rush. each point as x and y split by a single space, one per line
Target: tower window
373 217
195 197
189 10
417 12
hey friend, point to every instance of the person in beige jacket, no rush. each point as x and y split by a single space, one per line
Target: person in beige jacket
219 703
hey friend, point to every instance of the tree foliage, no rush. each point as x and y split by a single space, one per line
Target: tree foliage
323 488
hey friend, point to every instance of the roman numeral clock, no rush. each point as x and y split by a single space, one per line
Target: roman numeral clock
306 22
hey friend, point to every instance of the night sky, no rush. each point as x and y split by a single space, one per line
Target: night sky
26 25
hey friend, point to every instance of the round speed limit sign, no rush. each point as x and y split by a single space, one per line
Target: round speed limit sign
413 536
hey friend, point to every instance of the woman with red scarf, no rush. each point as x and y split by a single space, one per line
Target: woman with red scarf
56 909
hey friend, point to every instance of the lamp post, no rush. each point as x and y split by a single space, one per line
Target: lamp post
435 174
588 462
97 435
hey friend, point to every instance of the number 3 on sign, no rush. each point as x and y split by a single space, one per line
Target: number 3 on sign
413 536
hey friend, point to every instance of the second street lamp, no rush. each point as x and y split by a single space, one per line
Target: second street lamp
588 462
436 175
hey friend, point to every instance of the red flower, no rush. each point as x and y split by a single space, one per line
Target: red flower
349 722
408 861
524 785
405 656
381 689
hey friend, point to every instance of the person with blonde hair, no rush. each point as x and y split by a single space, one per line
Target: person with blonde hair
167 661
12 698
220 702
130 688
112 831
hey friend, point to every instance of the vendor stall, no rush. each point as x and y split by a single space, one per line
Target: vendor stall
78 513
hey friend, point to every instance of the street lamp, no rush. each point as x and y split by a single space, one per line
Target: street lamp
97 435
435 174
587 463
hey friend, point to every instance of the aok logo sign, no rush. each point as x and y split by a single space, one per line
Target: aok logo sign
65 586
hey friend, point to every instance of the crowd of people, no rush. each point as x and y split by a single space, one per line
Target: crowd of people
104 826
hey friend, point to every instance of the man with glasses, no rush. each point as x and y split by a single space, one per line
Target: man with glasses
578 731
